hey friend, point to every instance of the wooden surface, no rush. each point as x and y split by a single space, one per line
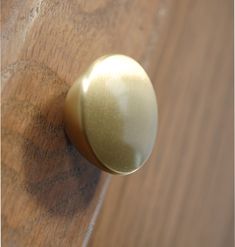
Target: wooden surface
184 195
50 194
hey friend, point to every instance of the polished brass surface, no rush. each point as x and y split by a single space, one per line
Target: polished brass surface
111 114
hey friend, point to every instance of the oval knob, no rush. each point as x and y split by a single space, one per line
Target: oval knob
110 114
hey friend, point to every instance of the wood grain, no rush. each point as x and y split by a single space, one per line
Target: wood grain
50 194
184 195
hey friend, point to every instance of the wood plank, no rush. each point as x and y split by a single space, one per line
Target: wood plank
184 195
51 195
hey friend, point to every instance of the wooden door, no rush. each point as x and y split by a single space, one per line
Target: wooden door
51 196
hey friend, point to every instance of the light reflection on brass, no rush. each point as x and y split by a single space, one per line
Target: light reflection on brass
111 114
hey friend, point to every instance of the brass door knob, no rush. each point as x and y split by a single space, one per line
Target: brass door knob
111 114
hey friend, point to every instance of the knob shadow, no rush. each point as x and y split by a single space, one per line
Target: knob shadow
58 178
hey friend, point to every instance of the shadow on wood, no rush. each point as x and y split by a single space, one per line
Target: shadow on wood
55 174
